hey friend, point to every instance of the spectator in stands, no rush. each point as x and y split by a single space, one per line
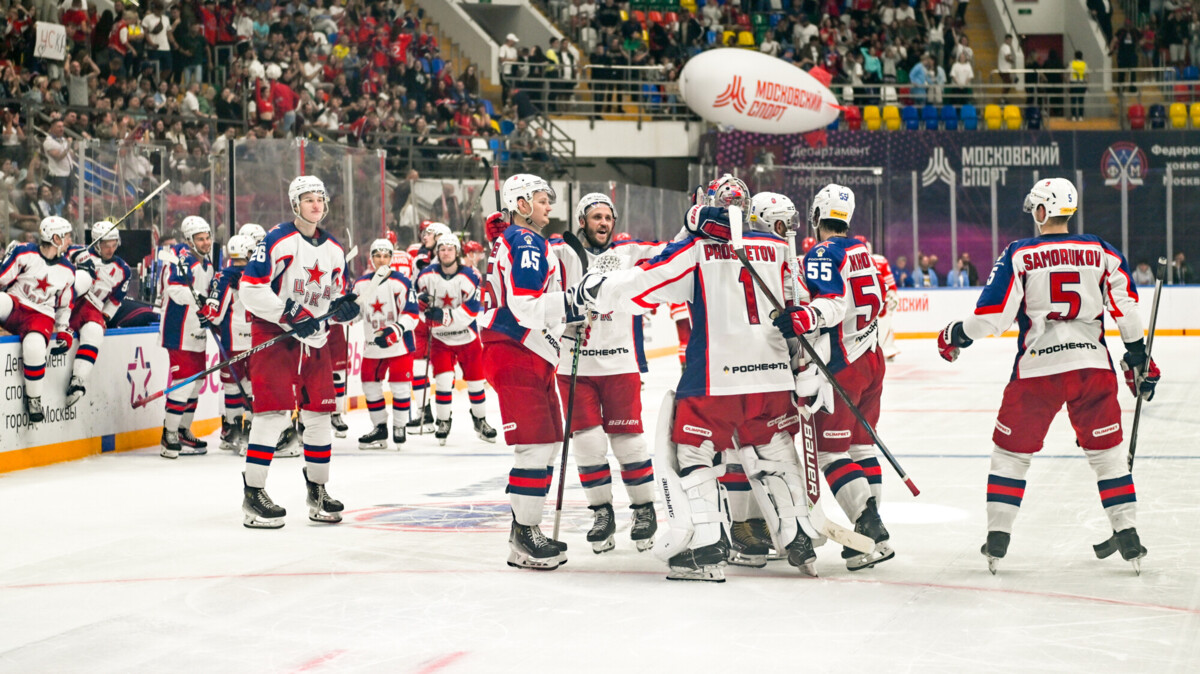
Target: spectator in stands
961 75
925 276
193 49
1143 275
23 224
901 273
770 46
157 32
713 16
508 58
1183 271
120 43
1006 63
1079 79
58 153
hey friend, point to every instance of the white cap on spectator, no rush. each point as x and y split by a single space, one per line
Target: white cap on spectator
511 37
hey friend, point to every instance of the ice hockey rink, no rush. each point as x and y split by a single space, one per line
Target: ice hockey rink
131 563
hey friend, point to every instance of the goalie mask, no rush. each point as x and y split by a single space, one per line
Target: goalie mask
728 191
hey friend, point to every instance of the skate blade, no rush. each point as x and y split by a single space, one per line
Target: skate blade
993 564
381 444
743 559
228 446
169 454
773 556
710 574
644 544
486 438
808 568
441 442
287 453
1137 565
605 545
519 560
339 434
193 451
72 399
318 515
252 521
867 561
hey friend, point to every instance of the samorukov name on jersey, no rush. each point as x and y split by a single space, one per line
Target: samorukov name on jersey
1039 259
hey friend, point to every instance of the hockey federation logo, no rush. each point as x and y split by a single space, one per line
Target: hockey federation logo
1124 163
938 168
734 94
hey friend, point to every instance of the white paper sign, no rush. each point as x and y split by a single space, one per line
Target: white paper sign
51 41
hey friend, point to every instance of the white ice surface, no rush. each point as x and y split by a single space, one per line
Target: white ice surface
132 563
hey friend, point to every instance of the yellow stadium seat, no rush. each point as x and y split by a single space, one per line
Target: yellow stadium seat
891 117
1178 110
726 36
871 118
624 15
1195 109
1012 117
1179 121
746 39
992 117
689 5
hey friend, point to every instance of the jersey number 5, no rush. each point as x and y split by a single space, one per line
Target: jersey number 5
1060 295
867 293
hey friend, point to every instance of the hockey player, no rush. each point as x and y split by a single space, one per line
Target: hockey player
887 336
452 292
403 263
109 281
225 311
847 296
37 286
430 232
608 400
521 337
294 276
473 254
1056 286
738 385
255 232
183 332
683 329
388 320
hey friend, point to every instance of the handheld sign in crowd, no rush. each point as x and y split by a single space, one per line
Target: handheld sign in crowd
751 91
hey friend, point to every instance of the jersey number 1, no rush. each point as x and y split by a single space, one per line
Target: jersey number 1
747 282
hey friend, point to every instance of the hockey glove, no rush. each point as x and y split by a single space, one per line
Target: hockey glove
435 315
303 323
796 321
952 340
388 336
86 264
494 226
1141 373
207 315
811 383
345 308
424 300
63 339
709 222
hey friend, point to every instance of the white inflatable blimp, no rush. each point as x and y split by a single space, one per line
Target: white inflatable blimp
754 92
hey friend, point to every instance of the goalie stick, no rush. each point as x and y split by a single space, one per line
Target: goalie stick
117 224
1109 546
735 226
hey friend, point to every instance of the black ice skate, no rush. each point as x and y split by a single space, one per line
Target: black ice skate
376 439
443 430
33 405
288 444
190 445
231 434
423 422
1131 548
259 511
995 549
801 555
871 526
645 523
703 563
322 508
399 435
745 548
530 549
483 429
170 445
603 528
339 426
759 530
75 390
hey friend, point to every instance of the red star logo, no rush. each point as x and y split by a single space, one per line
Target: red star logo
447 300
315 275
377 306
43 283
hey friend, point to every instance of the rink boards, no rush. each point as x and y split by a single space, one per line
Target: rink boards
132 365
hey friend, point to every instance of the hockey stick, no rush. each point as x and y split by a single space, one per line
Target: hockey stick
735 226
428 384
123 217
576 246
479 195
1109 546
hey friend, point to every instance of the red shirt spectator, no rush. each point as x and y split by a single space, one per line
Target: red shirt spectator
208 18
400 48
76 22
283 98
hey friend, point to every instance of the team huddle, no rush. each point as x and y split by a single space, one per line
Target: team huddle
554 326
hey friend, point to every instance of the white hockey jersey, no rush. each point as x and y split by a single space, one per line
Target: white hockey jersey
187 288
393 303
107 290
1057 287
288 265
611 346
45 286
734 348
524 293
455 294
846 287
229 314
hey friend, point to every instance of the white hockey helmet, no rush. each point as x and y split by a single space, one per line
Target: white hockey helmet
105 230
303 185
767 208
273 71
523 186
1058 195
382 244
448 239
590 201
728 191
53 225
833 202
193 225
240 246
253 231
438 230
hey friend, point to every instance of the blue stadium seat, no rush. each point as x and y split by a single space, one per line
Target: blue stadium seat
497 147
1033 117
506 127
929 114
1191 73
949 118
1158 116
970 118
909 115
487 105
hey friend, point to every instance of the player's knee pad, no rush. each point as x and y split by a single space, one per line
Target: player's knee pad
590 446
534 456
317 429
695 510
6 306
267 427
629 447
1108 463
1010 464
33 348
91 333
399 389
372 390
